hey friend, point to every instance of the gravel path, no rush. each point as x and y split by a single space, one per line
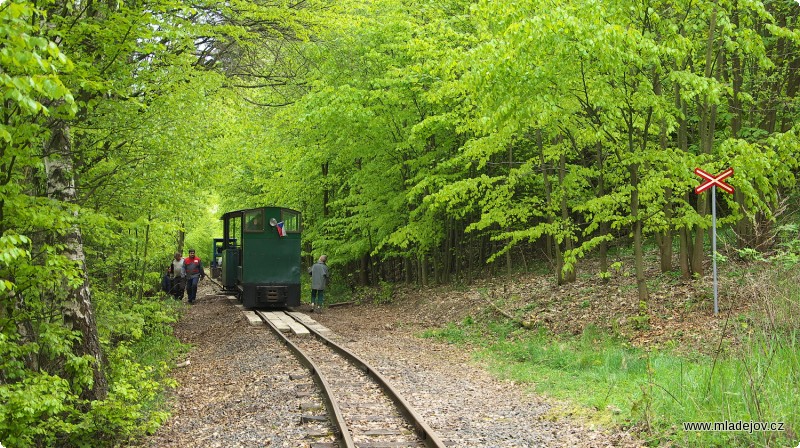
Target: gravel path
239 389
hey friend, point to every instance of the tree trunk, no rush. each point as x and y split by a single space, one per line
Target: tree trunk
684 252
144 257
77 308
474 251
603 253
374 266
325 190
522 258
736 81
509 264
363 271
571 275
603 227
638 252
664 239
684 257
447 255
550 244
25 329
458 249
374 270
559 260
707 128
423 266
774 96
743 227
437 271
181 239
792 86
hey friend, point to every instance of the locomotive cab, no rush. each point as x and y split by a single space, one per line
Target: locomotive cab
216 260
261 256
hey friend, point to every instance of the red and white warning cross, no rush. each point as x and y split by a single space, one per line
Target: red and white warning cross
710 181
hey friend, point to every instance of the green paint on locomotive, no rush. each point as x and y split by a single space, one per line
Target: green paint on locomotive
261 261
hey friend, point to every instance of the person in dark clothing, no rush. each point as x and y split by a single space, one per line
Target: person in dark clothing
177 274
165 281
194 272
319 280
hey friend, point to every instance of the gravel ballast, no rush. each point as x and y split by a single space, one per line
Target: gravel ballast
240 386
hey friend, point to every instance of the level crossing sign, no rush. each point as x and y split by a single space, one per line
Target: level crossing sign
712 182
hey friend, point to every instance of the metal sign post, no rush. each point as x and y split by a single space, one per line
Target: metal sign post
714 245
712 182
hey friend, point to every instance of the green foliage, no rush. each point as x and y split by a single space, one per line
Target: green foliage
123 319
506 129
125 89
32 409
443 135
30 77
35 401
642 320
450 334
128 412
454 334
750 254
381 294
46 408
788 245
385 294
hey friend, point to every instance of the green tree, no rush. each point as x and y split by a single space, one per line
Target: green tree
487 127
91 148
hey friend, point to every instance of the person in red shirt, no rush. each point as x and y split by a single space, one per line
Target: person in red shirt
194 272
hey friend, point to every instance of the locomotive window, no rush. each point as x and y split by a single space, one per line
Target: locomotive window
291 221
254 221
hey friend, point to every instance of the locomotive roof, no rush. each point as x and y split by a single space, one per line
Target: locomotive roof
239 212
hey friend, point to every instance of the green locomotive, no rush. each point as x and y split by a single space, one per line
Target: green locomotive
260 250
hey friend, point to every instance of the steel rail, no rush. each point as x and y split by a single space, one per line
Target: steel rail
214 281
341 431
428 436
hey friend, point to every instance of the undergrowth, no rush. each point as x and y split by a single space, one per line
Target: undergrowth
655 390
45 407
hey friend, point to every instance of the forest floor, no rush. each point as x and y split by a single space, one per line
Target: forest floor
678 313
239 388
226 388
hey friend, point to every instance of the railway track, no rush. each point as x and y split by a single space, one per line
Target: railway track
364 410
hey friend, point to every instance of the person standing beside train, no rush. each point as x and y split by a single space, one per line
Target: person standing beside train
319 280
177 273
194 272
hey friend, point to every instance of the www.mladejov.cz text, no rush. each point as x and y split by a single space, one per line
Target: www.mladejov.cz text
741 425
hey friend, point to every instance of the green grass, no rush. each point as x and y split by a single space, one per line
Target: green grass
655 390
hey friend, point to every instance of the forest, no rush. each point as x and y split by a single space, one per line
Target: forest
426 142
